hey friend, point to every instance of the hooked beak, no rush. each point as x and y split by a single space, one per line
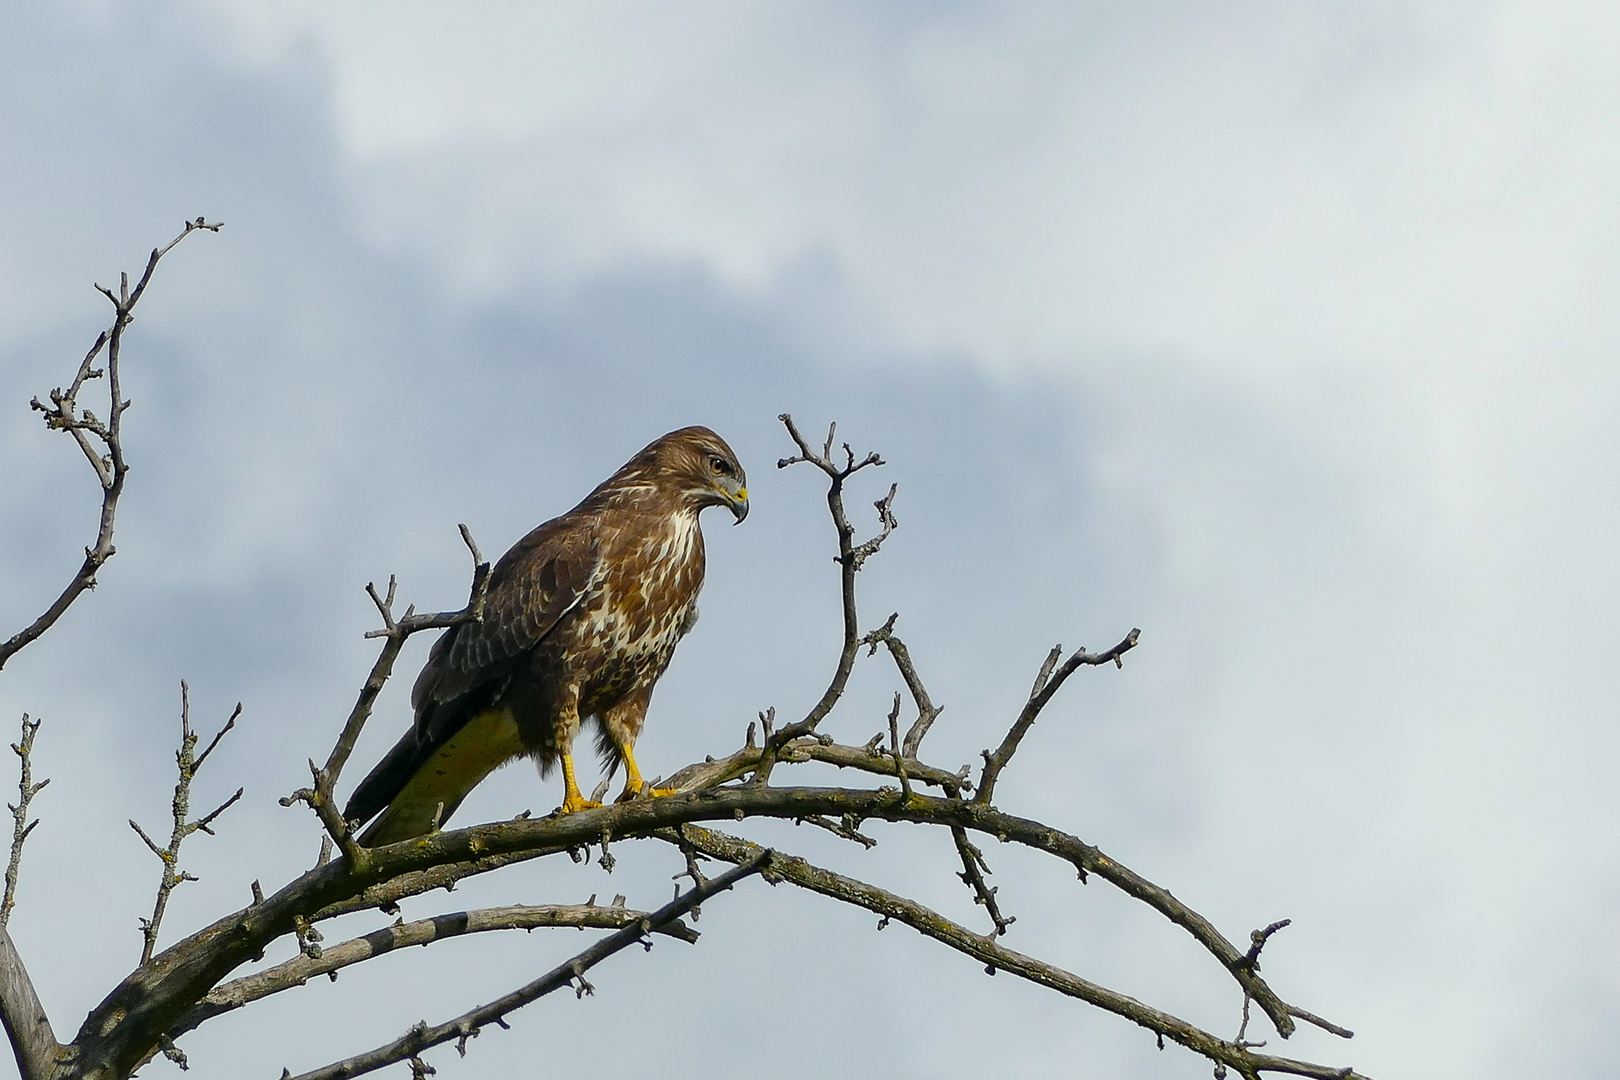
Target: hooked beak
739 505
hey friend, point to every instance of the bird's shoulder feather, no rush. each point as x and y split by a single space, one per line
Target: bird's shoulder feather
543 577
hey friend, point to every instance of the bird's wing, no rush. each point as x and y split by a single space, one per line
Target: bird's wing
543 578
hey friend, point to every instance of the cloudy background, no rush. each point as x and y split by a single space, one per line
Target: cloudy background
1284 331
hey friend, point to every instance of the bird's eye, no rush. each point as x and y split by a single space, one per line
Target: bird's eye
721 466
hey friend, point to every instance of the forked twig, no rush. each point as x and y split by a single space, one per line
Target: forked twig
22 828
187 762
320 794
1047 683
850 558
107 460
927 711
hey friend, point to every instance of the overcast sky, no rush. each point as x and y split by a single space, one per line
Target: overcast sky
1284 331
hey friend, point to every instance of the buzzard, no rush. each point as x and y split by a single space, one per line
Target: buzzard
581 618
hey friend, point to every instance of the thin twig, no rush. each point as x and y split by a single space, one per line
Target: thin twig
63 414
927 711
846 829
850 558
1047 683
885 508
1257 942
21 826
894 748
716 771
319 795
973 870
187 763
33 1043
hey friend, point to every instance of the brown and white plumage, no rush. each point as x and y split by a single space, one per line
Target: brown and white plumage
581 619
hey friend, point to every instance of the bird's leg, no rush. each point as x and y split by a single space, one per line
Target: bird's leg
573 801
633 783
567 728
622 723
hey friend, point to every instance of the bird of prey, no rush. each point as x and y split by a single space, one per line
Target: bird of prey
580 620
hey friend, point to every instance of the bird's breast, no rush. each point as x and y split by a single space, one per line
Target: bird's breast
629 623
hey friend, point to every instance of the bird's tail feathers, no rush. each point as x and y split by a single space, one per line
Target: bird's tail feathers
417 787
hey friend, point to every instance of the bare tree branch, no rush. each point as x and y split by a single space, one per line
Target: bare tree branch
319 796
32 1041
386 894
716 771
850 558
21 826
29 1028
806 875
1047 683
127 1024
927 711
572 972
894 748
26 1024
299 970
63 414
973 870
187 763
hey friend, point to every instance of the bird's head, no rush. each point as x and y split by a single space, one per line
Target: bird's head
703 468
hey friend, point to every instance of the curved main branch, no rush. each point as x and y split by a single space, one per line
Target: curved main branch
926 921
124 1026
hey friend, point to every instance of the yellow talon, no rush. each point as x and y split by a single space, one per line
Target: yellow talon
633 783
573 801
573 804
631 792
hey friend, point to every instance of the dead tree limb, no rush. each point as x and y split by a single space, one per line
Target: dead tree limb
570 973
930 923
850 558
299 970
187 762
107 458
101 442
151 999
319 796
1047 683
28 1028
22 828
927 711
33 1043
